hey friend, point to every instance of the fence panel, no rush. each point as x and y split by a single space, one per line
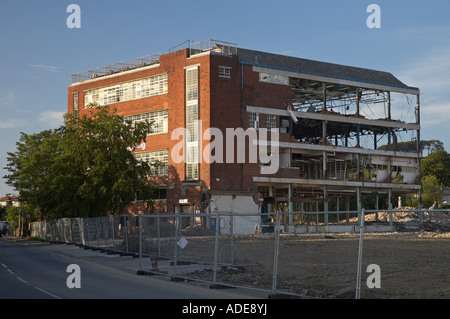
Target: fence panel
398 253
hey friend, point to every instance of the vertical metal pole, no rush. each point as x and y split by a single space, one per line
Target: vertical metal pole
126 233
98 232
159 236
106 232
231 238
80 230
389 105
112 233
175 253
140 241
358 96
275 254
70 231
358 202
216 249
88 220
360 251
291 205
390 206
419 153
325 193
375 141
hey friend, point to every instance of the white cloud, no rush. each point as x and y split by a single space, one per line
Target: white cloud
53 119
431 74
6 99
436 114
46 68
7 107
5 124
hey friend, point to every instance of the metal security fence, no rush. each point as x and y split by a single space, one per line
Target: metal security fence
312 257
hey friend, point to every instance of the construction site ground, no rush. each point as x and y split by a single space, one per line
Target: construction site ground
413 264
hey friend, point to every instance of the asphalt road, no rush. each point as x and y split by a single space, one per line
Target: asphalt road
38 270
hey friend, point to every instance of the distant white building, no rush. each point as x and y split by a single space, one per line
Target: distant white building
13 199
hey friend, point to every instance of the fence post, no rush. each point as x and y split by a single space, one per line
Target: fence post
105 231
390 214
360 250
175 253
159 235
140 241
89 227
112 219
216 249
275 254
98 232
126 233
231 238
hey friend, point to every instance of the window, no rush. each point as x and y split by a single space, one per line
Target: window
157 159
225 71
253 120
159 119
75 104
154 85
191 84
192 123
271 123
273 78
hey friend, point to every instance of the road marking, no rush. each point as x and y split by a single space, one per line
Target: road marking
48 293
26 282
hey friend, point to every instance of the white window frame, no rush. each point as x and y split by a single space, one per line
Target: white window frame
75 103
253 120
127 91
224 71
192 145
159 118
152 157
271 122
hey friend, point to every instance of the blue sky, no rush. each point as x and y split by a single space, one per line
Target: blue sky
39 52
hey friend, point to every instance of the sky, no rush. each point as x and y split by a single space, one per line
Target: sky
39 51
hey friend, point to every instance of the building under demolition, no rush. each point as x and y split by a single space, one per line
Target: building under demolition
322 124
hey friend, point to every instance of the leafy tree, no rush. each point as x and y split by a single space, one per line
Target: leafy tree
411 146
437 164
29 166
84 168
432 191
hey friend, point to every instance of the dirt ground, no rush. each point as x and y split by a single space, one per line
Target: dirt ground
413 264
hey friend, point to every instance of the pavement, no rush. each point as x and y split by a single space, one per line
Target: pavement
132 264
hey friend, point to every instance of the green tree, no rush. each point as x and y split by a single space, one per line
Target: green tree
437 164
411 146
29 166
432 191
84 168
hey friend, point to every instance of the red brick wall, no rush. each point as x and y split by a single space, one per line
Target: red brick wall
222 104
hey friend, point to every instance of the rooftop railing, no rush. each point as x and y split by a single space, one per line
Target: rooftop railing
213 45
194 48
116 68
